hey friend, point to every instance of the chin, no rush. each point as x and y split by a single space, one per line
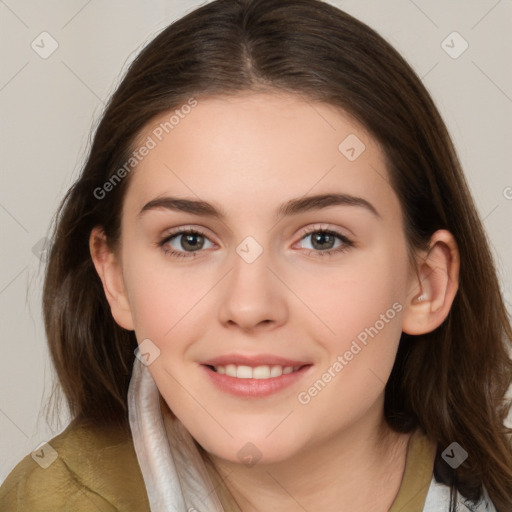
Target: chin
254 447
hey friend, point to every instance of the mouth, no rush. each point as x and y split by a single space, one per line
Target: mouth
257 372
254 377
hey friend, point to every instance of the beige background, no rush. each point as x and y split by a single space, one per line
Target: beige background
49 105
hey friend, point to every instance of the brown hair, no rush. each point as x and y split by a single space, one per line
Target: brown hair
452 381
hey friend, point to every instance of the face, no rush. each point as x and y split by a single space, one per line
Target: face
276 316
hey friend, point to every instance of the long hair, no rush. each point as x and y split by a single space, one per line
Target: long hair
450 382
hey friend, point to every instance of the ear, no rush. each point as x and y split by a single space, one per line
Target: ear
108 267
433 286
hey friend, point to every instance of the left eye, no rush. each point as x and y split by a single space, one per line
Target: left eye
322 240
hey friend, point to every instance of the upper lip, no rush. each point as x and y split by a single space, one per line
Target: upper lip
253 360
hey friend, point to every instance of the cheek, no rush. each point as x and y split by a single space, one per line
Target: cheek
362 310
161 296
347 299
155 310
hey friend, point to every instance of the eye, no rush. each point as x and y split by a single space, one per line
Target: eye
189 242
323 242
184 243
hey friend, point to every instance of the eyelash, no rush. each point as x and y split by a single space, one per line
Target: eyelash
347 244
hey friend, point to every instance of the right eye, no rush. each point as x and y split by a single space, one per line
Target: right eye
184 243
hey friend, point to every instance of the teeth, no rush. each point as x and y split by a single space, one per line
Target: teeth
259 372
276 371
231 370
244 372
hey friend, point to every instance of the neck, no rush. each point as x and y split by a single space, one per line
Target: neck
335 474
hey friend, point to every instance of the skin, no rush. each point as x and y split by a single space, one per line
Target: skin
247 154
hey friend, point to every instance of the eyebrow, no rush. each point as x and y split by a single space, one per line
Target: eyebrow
291 207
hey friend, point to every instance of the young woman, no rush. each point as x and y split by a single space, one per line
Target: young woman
269 289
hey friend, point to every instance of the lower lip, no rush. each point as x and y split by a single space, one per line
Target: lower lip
254 388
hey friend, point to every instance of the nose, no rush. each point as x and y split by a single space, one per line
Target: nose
252 296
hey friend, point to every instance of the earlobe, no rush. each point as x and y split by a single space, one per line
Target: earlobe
434 285
109 270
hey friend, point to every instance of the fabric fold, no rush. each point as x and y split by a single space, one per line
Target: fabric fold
174 472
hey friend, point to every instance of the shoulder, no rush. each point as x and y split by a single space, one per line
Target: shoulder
83 468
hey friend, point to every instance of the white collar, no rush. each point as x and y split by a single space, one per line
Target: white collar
174 473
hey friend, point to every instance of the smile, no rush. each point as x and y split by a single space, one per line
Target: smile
259 372
254 376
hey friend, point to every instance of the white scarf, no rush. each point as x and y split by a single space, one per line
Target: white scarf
174 473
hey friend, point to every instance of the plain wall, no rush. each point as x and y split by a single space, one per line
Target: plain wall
49 105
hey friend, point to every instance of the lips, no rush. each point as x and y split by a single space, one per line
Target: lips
254 376
254 361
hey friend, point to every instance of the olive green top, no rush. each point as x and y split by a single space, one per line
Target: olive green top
95 469
419 467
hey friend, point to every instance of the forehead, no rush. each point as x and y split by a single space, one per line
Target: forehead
252 149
